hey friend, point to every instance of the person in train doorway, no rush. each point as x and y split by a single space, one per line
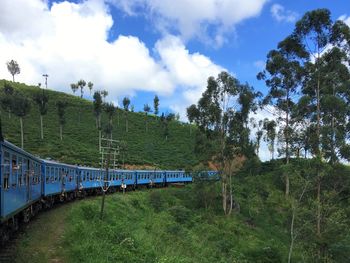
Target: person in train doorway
123 186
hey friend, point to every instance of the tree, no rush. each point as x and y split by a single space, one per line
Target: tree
217 114
319 37
61 111
81 84
90 86
41 99
259 134
192 114
7 100
283 74
110 111
97 110
74 87
13 68
126 103
21 109
318 48
104 94
146 109
270 135
156 105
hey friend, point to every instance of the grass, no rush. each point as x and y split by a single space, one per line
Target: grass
80 138
158 225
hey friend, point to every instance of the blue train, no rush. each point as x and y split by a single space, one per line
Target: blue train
29 184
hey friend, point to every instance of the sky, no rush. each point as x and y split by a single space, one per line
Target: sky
139 48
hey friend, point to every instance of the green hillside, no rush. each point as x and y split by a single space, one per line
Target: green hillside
187 225
80 139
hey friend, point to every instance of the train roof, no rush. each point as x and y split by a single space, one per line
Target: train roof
57 163
19 150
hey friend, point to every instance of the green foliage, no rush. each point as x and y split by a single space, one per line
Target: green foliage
80 144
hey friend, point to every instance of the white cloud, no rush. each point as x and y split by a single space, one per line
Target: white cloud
346 19
192 19
282 15
69 42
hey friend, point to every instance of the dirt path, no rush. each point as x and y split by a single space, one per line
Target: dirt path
42 238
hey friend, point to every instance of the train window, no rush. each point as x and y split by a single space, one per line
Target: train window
52 174
38 172
14 170
47 176
25 170
56 174
20 173
6 170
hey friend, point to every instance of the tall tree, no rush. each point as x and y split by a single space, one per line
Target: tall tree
21 109
270 135
74 87
146 109
283 75
90 86
156 105
104 94
41 99
7 100
61 111
13 68
192 114
320 48
216 114
110 111
97 110
81 84
126 104
317 34
259 134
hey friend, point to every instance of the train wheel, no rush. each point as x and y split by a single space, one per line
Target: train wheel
26 215
14 224
4 235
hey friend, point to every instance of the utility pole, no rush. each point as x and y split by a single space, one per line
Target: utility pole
45 76
109 148
1 136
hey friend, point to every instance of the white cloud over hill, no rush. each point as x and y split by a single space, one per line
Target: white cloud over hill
208 20
69 42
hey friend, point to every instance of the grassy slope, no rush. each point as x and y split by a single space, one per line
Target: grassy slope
80 144
173 225
162 225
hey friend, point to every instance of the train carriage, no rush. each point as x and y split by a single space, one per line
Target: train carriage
177 177
20 177
90 178
58 178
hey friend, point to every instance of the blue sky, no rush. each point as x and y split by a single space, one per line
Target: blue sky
139 48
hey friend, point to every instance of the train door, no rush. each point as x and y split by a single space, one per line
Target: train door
29 179
1 184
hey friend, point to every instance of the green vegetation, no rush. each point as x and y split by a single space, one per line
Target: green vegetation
79 143
188 225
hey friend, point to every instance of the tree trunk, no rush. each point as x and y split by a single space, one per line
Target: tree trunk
99 132
231 195
287 144
9 114
13 77
224 196
22 139
126 124
41 127
61 128
318 206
